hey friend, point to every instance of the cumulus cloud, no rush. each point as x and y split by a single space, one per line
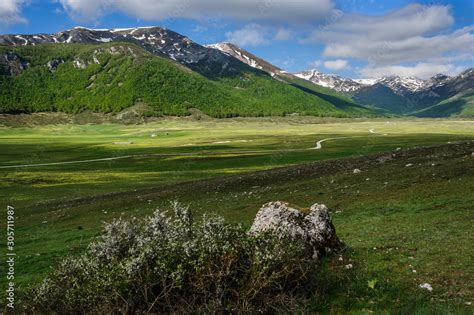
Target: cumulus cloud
338 64
315 63
409 49
277 10
10 12
249 35
420 70
413 34
283 34
396 37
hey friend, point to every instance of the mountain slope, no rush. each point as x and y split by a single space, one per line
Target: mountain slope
340 100
460 105
405 96
247 58
225 87
382 97
158 41
331 81
112 76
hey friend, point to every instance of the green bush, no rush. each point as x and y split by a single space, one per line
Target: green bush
174 264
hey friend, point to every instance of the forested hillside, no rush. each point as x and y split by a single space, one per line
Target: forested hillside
113 76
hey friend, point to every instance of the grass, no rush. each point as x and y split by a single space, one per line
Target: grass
391 216
460 105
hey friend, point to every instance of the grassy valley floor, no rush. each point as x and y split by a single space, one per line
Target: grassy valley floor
406 217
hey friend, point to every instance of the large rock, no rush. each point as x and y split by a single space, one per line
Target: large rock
314 229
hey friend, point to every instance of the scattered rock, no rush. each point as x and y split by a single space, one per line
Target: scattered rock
384 158
12 64
54 64
409 165
314 229
349 266
426 286
357 171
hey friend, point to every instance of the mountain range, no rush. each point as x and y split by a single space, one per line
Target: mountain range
110 70
391 94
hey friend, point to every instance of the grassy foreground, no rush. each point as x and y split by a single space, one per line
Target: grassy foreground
395 218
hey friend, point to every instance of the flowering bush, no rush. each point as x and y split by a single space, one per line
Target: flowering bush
175 264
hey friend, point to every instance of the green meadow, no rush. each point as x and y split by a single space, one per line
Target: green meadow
404 225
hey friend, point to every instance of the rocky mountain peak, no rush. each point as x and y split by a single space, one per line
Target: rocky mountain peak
331 81
157 40
247 57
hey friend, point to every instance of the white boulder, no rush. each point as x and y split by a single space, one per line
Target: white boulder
314 229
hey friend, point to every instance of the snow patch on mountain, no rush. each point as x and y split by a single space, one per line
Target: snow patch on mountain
331 81
236 52
402 86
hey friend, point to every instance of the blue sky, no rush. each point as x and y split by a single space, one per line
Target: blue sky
354 38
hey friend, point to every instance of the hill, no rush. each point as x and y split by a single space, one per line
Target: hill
397 95
460 105
110 77
340 100
111 70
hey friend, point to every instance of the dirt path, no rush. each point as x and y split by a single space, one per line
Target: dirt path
68 162
320 142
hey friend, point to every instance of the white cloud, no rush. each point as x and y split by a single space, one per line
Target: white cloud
416 34
10 12
276 10
403 50
283 34
420 70
250 35
338 64
315 63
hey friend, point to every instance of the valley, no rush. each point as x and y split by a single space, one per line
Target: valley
230 167
100 128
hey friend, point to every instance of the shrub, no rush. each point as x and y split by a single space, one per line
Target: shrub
174 264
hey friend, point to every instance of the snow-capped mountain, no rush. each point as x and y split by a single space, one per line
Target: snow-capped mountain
248 58
331 81
400 94
402 86
398 85
437 80
238 53
157 40
393 93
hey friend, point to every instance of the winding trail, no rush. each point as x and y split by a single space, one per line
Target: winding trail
318 147
320 142
70 162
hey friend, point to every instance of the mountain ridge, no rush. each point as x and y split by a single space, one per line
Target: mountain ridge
227 61
110 76
396 94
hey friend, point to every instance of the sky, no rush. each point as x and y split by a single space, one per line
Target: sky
352 38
